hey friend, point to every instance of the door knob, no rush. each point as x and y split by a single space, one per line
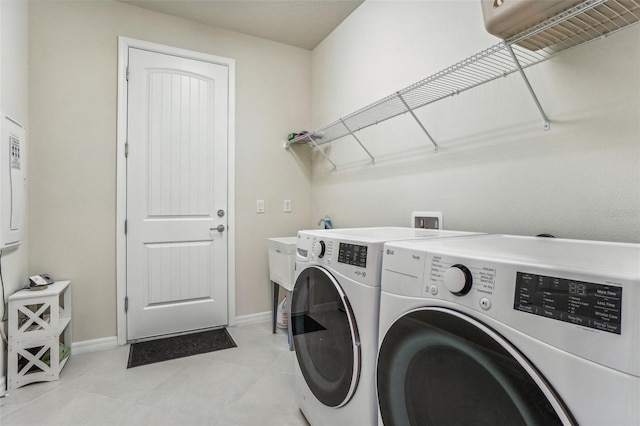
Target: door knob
219 228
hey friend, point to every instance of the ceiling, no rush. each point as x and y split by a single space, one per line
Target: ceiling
301 23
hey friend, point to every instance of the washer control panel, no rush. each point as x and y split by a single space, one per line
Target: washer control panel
359 261
352 254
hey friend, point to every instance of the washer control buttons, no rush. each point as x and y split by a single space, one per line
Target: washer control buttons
485 303
433 290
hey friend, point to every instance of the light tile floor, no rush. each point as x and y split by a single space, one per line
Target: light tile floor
248 385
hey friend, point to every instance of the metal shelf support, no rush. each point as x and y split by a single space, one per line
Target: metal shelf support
417 120
373 160
547 124
322 152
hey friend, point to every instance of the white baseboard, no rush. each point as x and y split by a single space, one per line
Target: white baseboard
254 318
94 345
112 342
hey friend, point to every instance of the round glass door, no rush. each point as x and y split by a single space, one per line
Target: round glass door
325 337
439 367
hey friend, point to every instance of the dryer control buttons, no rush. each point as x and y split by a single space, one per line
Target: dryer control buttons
319 249
458 280
433 290
485 303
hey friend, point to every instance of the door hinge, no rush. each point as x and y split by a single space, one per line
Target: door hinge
125 226
126 303
126 149
127 77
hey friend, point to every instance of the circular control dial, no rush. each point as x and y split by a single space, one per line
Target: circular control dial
458 280
319 248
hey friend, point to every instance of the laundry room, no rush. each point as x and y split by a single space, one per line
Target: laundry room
549 144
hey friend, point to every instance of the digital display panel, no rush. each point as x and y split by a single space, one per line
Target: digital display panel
587 304
353 254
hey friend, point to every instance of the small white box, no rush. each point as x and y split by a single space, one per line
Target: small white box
282 260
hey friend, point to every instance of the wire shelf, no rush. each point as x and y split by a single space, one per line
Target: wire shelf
589 20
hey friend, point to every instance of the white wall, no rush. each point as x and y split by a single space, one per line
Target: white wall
73 83
497 170
13 102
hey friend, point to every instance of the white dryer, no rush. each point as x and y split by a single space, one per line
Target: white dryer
510 330
334 320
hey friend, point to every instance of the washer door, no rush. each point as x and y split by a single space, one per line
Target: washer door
437 366
325 337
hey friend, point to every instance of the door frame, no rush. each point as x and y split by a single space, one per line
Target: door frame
124 43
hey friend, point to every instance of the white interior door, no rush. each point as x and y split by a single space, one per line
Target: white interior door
176 194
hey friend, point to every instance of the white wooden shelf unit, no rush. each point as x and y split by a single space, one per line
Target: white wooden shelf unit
587 21
39 331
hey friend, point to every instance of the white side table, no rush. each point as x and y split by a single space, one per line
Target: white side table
39 330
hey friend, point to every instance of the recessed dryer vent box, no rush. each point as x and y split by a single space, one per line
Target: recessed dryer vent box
426 220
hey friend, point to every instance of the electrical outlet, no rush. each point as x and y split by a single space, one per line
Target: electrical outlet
287 206
260 206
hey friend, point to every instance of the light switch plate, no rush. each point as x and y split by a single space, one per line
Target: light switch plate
287 206
259 206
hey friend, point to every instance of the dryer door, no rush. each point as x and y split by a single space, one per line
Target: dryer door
437 366
325 337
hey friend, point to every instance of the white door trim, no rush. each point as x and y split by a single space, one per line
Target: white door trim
124 43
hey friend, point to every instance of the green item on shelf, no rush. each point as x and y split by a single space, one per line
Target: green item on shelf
293 136
64 352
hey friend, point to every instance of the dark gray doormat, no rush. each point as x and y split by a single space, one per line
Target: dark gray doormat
159 350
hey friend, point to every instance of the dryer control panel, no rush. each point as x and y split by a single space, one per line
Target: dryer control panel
578 302
580 297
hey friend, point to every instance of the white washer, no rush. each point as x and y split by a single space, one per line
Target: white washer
509 330
334 320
